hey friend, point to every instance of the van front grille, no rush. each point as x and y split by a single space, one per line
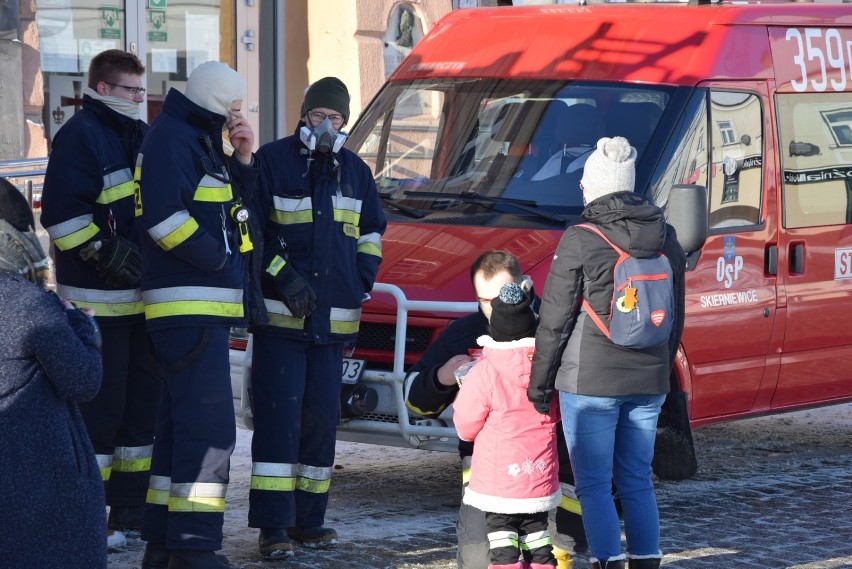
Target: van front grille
380 337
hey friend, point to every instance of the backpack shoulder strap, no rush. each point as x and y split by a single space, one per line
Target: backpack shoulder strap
586 306
600 233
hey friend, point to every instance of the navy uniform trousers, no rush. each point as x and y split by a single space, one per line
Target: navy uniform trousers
295 400
195 436
120 419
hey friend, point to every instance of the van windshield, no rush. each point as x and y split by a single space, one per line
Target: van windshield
497 151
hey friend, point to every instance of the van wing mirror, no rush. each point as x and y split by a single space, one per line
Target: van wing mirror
686 211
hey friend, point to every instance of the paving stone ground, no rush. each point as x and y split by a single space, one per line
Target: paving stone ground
770 493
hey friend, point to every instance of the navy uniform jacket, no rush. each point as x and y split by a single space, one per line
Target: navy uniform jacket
184 205
330 219
87 188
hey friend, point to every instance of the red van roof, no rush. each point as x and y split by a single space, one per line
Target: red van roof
660 43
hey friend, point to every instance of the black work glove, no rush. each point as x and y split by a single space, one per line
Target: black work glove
117 260
295 291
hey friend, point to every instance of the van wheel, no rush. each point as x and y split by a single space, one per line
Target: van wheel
674 450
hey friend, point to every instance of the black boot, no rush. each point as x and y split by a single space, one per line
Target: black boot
198 560
155 557
646 563
610 564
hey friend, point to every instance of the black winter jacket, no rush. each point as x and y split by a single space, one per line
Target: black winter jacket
88 187
571 354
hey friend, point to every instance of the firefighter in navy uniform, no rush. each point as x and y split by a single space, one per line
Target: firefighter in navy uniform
324 224
430 387
195 286
87 209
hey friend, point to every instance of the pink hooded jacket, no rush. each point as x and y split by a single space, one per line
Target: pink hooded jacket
515 467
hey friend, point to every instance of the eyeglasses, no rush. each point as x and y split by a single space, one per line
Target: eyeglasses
132 90
317 117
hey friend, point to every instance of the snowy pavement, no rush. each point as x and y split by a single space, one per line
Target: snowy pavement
771 492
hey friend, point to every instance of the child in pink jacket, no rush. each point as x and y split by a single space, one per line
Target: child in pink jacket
514 474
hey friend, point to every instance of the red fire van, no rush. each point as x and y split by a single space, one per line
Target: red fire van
478 139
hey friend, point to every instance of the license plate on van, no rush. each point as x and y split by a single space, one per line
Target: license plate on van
352 370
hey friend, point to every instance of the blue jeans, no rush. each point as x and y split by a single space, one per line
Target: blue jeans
611 439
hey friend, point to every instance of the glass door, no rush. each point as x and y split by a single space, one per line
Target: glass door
170 37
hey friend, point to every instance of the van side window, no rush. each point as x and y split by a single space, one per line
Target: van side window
815 143
736 178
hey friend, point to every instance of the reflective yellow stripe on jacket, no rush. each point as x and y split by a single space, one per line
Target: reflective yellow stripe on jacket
193 301
287 211
346 210
117 186
73 232
105 303
344 320
280 315
370 244
174 230
212 190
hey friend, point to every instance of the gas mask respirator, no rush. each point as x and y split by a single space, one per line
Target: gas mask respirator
323 138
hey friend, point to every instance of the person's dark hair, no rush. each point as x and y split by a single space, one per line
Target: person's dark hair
492 262
108 65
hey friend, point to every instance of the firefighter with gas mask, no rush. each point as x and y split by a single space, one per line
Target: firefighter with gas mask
323 226
192 203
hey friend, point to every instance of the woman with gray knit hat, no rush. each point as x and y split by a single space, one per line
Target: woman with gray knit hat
610 396
52 511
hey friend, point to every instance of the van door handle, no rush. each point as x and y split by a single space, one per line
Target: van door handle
797 258
770 260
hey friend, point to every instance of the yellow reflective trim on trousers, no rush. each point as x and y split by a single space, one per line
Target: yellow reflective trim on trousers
369 249
157 497
158 490
312 486
347 216
213 194
571 505
116 193
179 235
341 327
77 238
106 472
273 483
132 464
194 308
196 504
291 217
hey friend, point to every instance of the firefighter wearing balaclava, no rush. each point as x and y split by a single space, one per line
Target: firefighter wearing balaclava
87 209
192 203
323 227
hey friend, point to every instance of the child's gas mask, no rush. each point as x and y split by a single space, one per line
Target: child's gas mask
323 137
